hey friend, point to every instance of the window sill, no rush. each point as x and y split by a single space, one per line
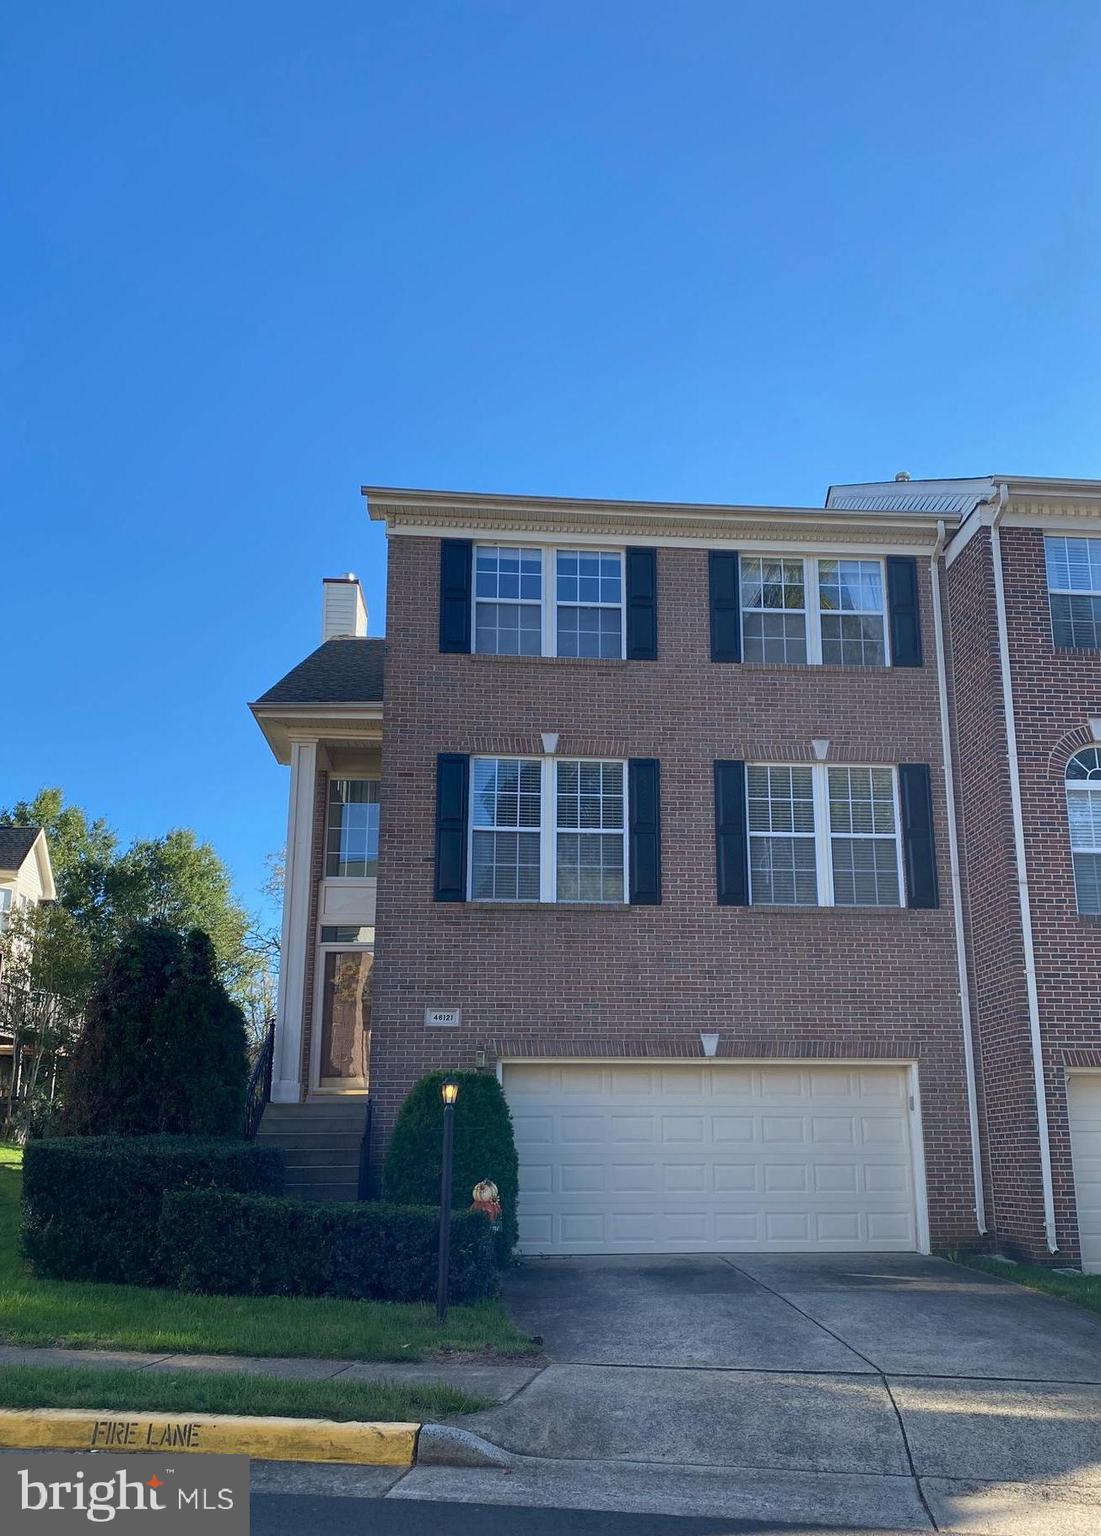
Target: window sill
565 661
817 667
798 912
549 908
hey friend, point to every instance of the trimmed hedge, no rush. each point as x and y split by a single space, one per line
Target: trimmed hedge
250 1245
484 1148
91 1203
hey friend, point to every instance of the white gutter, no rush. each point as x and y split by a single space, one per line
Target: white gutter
1022 874
957 893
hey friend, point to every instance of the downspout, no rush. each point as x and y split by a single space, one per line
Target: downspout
957 893
1022 874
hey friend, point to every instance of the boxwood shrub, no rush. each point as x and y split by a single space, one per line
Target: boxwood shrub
91 1203
247 1245
484 1148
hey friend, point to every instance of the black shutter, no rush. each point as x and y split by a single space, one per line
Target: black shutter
726 607
455 561
902 606
452 779
918 852
642 607
731 843
644 833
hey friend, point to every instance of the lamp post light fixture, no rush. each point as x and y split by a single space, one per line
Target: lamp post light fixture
449 1092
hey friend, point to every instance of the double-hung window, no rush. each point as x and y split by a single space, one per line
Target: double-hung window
508 600
5 910
589 602
823 836
506 829
545 601
783 858
864 851
1074 591
813 609
548 829
351 834
1083 784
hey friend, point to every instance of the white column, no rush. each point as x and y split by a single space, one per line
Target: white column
286 1087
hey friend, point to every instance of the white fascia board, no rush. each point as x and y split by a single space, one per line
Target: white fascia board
41 852
432 514
280 723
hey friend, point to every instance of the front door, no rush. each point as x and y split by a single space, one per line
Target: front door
345 1045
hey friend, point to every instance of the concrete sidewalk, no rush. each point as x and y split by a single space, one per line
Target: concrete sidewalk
498 1383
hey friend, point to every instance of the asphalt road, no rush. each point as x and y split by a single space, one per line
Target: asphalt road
297 1514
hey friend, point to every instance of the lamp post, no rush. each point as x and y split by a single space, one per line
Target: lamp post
449 1092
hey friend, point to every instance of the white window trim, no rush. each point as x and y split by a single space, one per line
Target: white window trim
547 830
812 606
358 778
548 603
1070 785
824 835
1053 591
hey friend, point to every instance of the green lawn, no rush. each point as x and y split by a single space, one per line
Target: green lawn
1085 1290
33 1386
86 1316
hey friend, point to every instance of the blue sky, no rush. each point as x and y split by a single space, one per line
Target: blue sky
256 254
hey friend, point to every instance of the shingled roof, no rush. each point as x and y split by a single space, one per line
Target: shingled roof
347 670
15 844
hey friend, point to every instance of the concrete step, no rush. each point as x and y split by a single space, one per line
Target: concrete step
320 1106
322 1157
278 1115
330 1141
308 1122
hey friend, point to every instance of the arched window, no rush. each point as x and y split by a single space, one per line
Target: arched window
1084 815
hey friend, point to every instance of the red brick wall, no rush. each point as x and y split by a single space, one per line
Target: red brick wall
992 912
589 981
1056 693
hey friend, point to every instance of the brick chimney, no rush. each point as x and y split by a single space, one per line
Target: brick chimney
343 611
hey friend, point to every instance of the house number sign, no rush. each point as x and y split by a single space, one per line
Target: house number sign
443 1018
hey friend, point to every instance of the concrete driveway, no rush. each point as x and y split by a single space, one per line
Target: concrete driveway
856 1391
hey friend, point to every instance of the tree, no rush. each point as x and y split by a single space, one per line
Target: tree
163 1043
43 960
75 842
174 879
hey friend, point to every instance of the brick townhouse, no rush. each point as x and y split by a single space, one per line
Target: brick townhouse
757 850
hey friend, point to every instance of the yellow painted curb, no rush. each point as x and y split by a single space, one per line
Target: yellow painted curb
85 1429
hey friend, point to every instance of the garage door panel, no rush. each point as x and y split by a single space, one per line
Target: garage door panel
658 1163
1084 1106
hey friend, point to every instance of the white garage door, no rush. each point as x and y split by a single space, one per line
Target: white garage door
1084 1104
701 1158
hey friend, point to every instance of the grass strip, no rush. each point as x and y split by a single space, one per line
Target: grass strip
31 1386
80 1315
1083 1290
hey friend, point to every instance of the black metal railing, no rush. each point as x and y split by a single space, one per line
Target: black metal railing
259 1083
364 1156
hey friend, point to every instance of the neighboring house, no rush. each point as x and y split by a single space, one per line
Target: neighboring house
26 879
756 849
